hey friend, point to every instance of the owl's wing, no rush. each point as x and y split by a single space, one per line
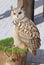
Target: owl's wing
29 34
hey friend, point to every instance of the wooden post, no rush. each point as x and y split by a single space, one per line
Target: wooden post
20 3
43 7
28 7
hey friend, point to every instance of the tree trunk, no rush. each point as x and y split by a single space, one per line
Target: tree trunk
43 7
28 7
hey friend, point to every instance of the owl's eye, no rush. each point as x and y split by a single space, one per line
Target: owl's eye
14 13
19 12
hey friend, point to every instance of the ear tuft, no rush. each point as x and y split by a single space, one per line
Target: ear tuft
12 8
22 7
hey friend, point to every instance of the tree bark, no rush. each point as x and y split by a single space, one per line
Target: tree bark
43 7
28 7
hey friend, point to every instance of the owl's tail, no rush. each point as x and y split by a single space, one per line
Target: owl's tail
33 52
34 45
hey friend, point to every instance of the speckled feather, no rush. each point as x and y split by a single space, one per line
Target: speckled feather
28 33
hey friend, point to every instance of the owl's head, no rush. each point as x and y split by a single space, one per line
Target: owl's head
17 13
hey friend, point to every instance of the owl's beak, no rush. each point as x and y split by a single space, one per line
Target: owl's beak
17 16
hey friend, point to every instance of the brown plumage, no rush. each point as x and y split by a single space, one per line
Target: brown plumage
29 34
26 32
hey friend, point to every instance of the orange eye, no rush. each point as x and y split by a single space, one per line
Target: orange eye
14 13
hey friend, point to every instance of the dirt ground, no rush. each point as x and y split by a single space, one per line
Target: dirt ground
5 60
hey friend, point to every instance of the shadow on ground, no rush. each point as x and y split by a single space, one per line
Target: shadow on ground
5 14
37 60
39 19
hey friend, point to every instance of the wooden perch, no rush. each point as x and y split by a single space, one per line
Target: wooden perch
28 7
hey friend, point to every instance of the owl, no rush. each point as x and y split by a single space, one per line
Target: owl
25 32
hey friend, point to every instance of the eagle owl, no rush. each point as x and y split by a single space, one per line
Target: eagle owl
25 32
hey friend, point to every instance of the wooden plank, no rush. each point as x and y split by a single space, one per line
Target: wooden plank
28 7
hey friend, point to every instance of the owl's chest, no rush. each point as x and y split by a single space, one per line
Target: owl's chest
24 28
27 29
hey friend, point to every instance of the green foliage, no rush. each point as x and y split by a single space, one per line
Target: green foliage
15 50
7 42
6 45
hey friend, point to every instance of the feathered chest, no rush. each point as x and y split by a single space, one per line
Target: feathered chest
27 29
